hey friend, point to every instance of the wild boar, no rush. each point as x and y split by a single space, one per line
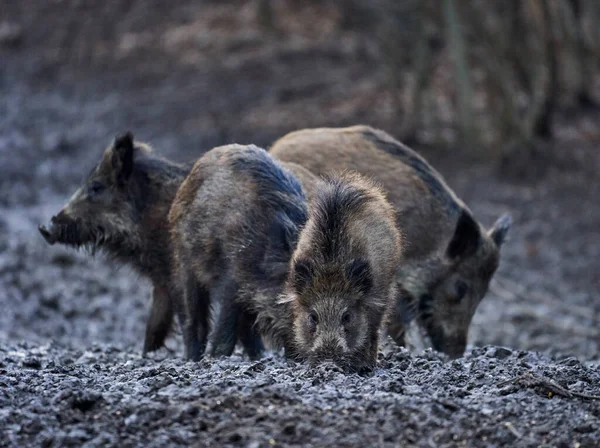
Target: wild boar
341 285
234 224
121 209
449 258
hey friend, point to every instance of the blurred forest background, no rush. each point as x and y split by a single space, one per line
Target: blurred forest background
492 78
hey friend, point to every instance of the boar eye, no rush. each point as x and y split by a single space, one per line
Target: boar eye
346 317
313 318
96 188
461 290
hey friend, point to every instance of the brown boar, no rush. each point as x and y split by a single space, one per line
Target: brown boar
234 224
449 258
121 209
341 283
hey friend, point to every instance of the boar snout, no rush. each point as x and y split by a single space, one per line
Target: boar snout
454 347
329 350
47 234
62 229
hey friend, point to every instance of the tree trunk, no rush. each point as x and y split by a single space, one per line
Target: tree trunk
584 58
422 68
461 74
543 123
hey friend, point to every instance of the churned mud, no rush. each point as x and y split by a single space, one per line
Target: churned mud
186 79
102 396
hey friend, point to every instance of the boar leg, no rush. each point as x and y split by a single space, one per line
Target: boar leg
368 357
373 349
160 320
395 328
196 323
401 316
248 334
223 300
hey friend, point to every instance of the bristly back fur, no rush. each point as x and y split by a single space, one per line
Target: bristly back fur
274 184
424 170
333 207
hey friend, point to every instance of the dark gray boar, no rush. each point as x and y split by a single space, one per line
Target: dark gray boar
341 284
121 209
449 258
234 225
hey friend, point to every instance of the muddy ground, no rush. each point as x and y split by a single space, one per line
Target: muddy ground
189 78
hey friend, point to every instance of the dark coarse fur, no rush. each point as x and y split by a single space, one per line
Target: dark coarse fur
341 282
121 209
449 258
234 225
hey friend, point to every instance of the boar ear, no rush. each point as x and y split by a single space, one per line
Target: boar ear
466 237
302 274
122 157
500 228
358 272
